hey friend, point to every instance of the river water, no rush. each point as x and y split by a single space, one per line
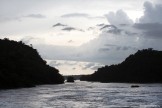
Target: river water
84 95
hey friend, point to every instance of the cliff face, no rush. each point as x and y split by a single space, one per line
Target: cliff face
145 66
22 66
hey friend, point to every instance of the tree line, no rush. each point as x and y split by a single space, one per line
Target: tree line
22 66
145 66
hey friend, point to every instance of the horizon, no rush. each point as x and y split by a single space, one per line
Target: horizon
79 36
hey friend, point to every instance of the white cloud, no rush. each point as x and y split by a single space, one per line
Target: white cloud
96 50
110 47
74 67
152 13
120 17
150 23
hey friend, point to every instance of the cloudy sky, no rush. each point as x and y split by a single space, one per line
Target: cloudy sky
78 36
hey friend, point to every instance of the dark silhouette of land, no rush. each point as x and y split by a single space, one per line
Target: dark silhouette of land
134 86
145 66
22 66
70 79
76 77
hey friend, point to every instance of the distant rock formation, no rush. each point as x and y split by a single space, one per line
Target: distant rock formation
22 66
70 79
145 66
76 77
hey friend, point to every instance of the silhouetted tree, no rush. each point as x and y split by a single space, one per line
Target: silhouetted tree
145 66
70 79
22 66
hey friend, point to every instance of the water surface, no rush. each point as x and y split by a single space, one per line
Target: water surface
84 95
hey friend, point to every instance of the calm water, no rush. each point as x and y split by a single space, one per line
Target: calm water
84 95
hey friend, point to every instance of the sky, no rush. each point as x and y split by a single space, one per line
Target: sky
79 36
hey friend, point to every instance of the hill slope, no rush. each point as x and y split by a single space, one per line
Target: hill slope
22 66
145 66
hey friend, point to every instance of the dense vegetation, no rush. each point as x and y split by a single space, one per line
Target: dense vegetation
70 79
145 66
76 77
22 66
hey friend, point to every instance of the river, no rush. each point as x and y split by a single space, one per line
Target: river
84 95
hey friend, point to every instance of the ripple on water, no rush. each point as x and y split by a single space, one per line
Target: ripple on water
83 95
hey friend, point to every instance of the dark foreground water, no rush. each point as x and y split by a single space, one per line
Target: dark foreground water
84 95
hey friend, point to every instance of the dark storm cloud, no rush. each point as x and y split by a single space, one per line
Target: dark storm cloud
110 45
111 29
130 33
108 26
123 25
104 49
58 24
148 26
124 48
105 27
151 22
71 29
154 33
152 13
68 29
120 17
117 30
118 47
153 30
